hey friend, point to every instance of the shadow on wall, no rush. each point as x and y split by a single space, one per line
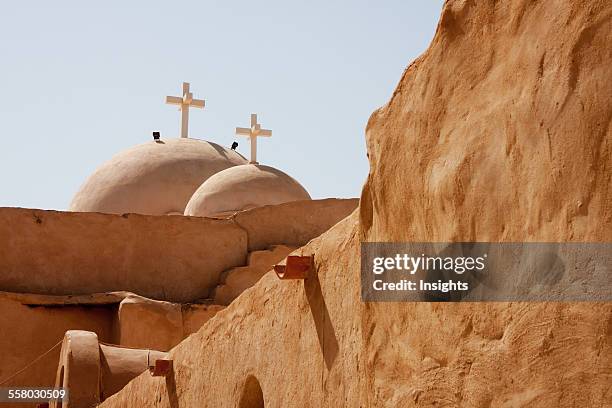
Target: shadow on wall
320 314
252 395
171 390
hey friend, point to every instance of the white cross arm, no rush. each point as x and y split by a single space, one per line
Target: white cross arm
197 103
265 132
174 100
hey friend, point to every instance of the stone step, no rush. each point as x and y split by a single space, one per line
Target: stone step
268 258
236 280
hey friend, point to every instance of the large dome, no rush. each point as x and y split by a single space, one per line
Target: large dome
244 187
155 178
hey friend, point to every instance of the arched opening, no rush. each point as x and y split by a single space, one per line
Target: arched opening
252 395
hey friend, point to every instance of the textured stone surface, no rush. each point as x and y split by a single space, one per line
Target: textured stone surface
500 131
195 315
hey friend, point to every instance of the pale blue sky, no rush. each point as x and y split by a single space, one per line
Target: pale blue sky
83 80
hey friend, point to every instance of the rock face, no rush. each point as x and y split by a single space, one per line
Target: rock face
503 127
499 132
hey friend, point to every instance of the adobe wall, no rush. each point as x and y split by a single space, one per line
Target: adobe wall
48 250
27 332
293 223
32 324
161 257
172 258
301 340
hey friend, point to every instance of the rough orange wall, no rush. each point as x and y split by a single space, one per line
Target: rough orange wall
500 131
165 257
503 128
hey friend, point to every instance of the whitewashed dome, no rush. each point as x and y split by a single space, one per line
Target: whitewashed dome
242 188
155 178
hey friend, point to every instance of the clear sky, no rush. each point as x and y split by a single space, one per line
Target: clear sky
83 80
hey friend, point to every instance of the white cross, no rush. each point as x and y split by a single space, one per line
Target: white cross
185 102
253 133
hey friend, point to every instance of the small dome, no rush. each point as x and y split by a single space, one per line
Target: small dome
242 188
155 178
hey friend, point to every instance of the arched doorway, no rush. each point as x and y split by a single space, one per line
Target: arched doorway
252 395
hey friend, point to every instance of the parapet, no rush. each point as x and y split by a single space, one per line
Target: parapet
172 258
